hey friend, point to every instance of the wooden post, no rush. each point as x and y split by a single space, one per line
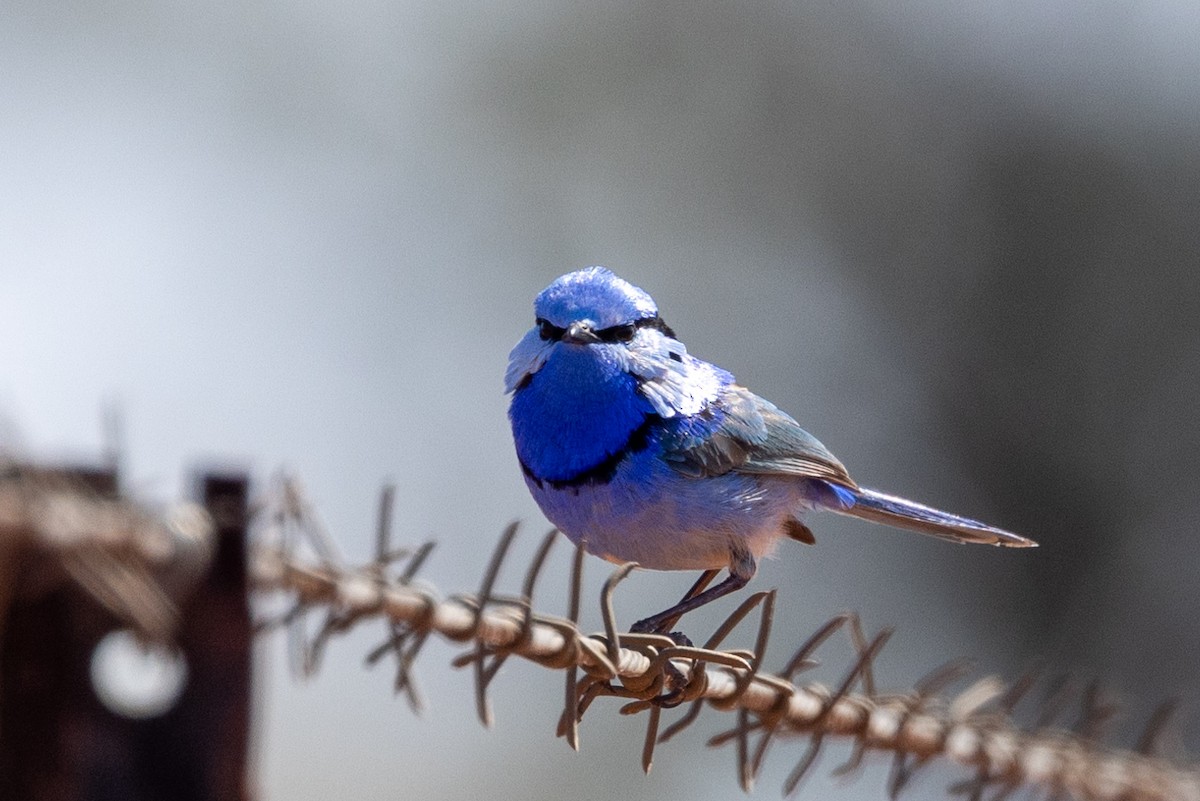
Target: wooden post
58 742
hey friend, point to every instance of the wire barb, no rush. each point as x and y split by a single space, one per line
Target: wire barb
651 673
138 564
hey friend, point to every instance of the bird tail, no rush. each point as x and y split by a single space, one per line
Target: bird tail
892 511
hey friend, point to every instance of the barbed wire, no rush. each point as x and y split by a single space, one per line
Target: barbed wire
137 562
975 728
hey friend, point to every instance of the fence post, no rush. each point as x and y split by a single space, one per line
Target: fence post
58 742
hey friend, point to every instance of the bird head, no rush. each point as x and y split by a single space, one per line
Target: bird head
589 308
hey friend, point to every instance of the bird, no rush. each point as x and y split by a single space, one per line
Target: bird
641 452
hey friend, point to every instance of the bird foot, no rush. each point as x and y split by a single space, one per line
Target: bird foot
652 625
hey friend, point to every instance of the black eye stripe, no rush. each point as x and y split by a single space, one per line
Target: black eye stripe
548 331
615 333
656 323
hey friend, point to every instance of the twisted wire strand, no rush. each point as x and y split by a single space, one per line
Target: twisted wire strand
135 562
974 729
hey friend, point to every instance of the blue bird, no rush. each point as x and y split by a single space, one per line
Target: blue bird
645 453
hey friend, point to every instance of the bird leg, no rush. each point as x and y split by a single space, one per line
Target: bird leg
665 626
741 570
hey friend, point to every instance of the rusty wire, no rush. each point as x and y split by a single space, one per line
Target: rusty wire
134 561
653 674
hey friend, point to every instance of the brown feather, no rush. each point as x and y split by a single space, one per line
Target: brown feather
799 532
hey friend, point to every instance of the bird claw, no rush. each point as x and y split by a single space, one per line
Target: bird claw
673 678
676 683
652 626
680 639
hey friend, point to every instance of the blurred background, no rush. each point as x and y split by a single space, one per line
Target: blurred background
958 242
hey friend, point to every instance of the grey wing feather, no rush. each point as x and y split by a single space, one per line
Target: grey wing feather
878 507
747 434
751 436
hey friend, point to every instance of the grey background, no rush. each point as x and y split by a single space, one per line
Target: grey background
957 241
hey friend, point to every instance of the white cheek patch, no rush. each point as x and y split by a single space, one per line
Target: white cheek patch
674 385
526 358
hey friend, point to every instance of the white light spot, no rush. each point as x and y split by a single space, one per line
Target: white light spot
134 679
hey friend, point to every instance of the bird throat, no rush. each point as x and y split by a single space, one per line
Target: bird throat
578 417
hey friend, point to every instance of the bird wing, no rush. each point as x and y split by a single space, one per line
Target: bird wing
739 431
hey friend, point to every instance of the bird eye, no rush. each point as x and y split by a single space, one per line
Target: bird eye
548 331
618 333
623 333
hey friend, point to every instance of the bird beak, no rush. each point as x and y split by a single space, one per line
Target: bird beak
580 334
